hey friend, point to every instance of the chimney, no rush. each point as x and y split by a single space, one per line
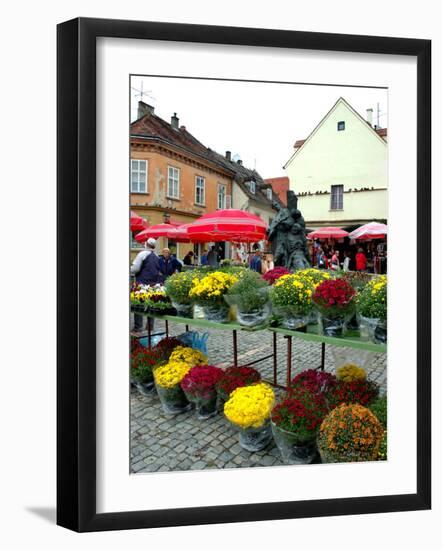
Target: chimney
174 121
370 116
145 109
228 155
239 161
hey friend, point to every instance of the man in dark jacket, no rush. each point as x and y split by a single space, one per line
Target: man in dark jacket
146 268
168 264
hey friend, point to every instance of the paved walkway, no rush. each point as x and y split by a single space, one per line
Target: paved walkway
164 443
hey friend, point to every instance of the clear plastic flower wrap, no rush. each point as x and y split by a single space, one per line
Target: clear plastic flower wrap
218 313
183 310
145 388
291 318
199 386
255 439
347 357
375 329
205 407
332 325
173 400
251 313
292 450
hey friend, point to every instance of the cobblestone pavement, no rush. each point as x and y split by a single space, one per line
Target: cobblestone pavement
161 442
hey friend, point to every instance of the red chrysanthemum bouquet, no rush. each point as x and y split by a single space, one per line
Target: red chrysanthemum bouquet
359 391
236 377
274 274
318 382
335 300
199 387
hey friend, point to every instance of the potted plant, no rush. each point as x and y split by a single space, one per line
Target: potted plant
250 296
358 280
295 423
249 408
167 382
358 390
177 287
335 300
350 433
199 387
372 306
314 276
235 377
291 298
142 363
315 381
208 292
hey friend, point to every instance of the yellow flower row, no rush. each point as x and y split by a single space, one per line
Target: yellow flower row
250 406
212 286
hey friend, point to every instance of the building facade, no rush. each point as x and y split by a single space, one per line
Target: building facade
340 172
175 178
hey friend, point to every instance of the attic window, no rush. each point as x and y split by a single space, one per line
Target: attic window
252 186
341 125
269 193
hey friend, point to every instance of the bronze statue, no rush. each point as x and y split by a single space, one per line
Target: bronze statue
287 235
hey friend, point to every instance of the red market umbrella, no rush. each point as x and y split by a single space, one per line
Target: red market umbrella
137 223
228 225
328 233
154 231
372 230
179 234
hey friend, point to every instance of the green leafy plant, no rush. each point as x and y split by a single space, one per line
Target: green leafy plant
249 293
178 286
372 300
379 408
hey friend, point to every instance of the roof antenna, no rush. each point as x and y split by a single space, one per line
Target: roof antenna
141 93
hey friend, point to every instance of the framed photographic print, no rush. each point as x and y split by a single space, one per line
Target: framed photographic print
235 207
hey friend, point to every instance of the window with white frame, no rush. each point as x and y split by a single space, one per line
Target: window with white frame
252 186
221 196
337 197
173 182
269 193
200 190
138 176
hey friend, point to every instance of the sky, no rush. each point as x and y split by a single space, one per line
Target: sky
258 122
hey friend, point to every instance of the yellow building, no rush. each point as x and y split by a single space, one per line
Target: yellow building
340 172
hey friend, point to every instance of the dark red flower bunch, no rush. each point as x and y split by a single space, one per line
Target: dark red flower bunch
358 391
236 377
274 274
143 360
200 381
167 345
315 381
300 413
334 294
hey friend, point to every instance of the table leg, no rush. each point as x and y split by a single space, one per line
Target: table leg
235 349
322 355
275 360
167 328
149 333
289 360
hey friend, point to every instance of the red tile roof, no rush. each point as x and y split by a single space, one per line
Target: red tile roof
280 186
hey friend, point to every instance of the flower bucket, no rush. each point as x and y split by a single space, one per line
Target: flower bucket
204 407
292 450
375 329
183 310
253 318
173 400
255 439
332 326
218 313
145 388
353 323
291 319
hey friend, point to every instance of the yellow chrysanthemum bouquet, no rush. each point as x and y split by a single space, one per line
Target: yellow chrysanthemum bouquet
169 376
209 291
249 409
372 307
291 297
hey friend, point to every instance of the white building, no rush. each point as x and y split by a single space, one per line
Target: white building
340 171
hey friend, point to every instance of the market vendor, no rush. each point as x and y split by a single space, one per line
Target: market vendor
146 268
168 264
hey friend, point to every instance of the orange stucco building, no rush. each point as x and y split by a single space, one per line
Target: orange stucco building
173 177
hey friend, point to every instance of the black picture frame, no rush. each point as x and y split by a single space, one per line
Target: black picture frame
76 274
